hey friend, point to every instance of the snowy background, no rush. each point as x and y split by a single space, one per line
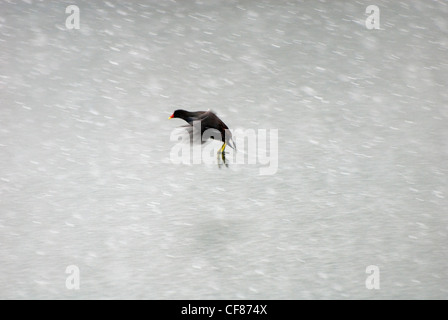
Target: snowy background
85 171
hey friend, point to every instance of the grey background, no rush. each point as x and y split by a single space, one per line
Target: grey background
86 178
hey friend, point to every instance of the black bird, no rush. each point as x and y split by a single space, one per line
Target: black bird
208 121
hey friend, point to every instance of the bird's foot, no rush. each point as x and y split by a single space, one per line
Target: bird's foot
222 159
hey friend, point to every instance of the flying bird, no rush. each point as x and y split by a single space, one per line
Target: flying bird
210 123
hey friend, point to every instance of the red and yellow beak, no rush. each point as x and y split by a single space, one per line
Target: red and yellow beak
171 116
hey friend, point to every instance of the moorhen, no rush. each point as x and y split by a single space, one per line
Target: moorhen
208 120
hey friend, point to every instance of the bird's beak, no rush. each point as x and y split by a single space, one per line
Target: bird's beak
171 117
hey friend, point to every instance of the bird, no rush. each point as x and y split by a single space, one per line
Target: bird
208 121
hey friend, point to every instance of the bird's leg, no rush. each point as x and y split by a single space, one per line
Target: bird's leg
219 160
222 148
223 156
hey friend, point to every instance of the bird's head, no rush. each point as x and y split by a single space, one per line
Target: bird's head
178 114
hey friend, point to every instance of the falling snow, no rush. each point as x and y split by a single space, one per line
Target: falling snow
85 171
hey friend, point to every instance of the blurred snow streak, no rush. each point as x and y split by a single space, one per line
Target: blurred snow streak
86 179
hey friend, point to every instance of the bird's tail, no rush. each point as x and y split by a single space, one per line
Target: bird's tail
232 144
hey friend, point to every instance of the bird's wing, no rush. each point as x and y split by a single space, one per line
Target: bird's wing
188 133
206 115
212 120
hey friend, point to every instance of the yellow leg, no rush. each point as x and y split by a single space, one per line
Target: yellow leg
223 156
222 148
